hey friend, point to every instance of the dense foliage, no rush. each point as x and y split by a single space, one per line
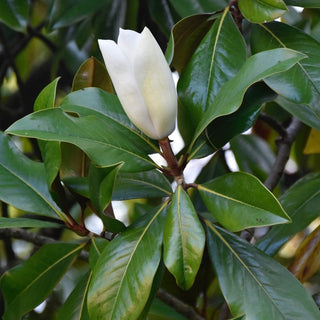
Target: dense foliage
99 221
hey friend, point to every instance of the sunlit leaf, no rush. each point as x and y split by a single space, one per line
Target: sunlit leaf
123 275
307 258
313 142
262 10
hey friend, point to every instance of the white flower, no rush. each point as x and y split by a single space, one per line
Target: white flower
142 80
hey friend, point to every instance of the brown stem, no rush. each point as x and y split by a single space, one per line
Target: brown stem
174 169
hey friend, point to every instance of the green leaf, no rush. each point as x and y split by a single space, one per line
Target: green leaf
27 223
300 84
92 73
101 185
300 111
50 151
187 7
262 10
149 184
67 12
123 275
253 155
185 38
241 120
161 311
302 202
24 287
23 182
96 248
256 68
183 240
14 13
75 307
253 283
303 3
215 61
239 200
106 141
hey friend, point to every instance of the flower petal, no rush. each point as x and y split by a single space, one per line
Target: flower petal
155 81
124 82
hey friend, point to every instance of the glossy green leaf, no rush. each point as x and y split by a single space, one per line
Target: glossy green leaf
24 287
253 283
123 275
106 141
253 155
300 84
50 151
256 68
302 202
183 239
262 10
112 224
149 184
239 200
303 3
75 307
92 73
14 13
216 60
241 120
101 185
187 7
23 182
27 223
185 38
96 248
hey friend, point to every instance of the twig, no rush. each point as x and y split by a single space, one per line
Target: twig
34 238
273 124
284 146
178 305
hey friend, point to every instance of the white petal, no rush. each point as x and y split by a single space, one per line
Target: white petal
128 41
155 81
124 82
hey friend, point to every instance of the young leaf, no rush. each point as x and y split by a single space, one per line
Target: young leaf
123 275
183 240
23 182
256 68
262 10
239 200
75 307
253 283
302 202
24 287
215 61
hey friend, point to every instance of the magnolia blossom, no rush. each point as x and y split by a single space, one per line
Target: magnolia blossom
142 80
